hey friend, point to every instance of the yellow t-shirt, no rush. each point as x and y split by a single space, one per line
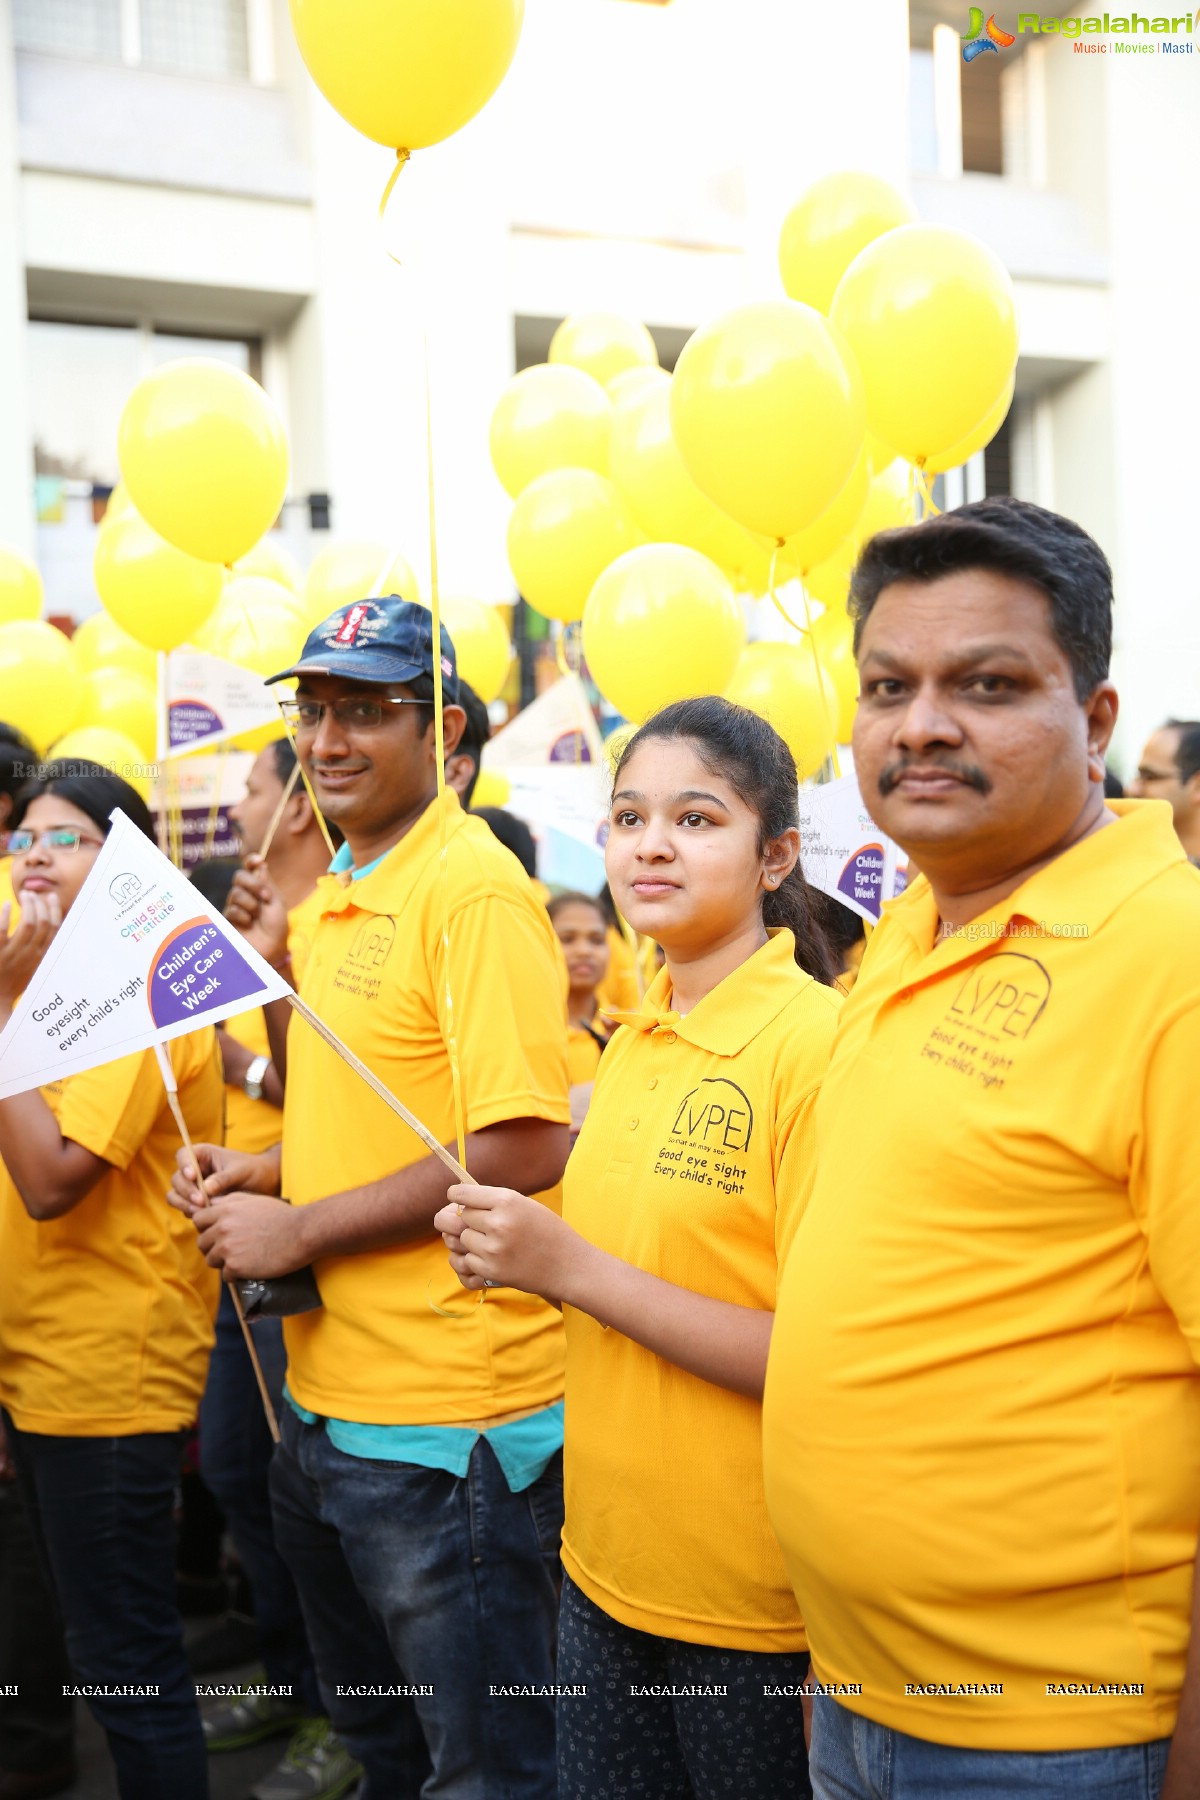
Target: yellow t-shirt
379 1352
583 1054
254 1125
618 992
696 1125
982 1423
106 1313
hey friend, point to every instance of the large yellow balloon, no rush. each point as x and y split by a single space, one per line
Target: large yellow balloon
118 504
352 571
156 593
650 471
829 581
603 345
407 72
204 454
124 702
822 537
830 223
977 439
100 643
40 681
631 382
491 789
769 415
661 624
112 750
930 317
273 561
20 585
833 634
481 642
565 529
549 417
779 682
889 502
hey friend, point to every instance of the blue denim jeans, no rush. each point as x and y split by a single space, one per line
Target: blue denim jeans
235 1462
103 1509
414 1577
853 1758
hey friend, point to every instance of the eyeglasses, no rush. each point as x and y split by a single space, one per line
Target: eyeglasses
20 843
351 713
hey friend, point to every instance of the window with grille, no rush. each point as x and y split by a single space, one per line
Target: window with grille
71 27
183 37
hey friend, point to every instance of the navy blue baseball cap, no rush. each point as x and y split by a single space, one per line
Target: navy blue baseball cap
389 639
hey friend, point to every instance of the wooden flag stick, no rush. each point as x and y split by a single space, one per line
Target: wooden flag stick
373 1082
181 1122
286 795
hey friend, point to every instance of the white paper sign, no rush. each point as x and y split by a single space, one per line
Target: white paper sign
842 850
558 728
206 699
567 811
140 958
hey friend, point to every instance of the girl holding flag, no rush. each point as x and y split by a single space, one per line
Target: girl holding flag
106 1310
681 1649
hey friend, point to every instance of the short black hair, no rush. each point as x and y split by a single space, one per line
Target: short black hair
513 833
213 876
89 786
18 758
476 732
572 898
1011 537
1187 751
285 759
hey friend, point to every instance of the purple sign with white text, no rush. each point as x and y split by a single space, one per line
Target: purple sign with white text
197 970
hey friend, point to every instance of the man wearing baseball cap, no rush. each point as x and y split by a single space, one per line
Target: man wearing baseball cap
417 1491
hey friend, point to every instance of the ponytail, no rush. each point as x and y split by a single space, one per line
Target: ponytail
790 905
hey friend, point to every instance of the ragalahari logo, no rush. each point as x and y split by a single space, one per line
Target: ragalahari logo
983 37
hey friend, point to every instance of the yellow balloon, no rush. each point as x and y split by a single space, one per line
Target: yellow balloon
975 440
124 702
879 454
830 223
264 639
565 529
822 537
889 502
930 317
769 415
491 789
661 624
253 610
835 647
603 345
100 643
156 593
273 561
205 457
20 585
118 504
40 681
549 417
829 581
650 471
405 72
112 750
779 682
631 382
482 646
355 570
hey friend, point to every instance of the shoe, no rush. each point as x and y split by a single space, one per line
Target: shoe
247 1717
317 1766
227 1645
18 1784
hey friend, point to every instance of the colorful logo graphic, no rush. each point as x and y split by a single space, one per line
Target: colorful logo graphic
983 37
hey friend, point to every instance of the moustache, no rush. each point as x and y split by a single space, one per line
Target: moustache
968 773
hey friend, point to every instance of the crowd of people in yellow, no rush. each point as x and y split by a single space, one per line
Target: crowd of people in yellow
802 1395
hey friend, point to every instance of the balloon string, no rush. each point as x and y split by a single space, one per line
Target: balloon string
402 157
312 798
930 511
780 608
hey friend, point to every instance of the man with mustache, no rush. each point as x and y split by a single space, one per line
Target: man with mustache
989 1492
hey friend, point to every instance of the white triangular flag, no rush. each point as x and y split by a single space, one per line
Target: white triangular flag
558 727
140 958
842 850
205 700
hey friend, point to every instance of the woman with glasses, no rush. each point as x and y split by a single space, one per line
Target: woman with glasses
106 1311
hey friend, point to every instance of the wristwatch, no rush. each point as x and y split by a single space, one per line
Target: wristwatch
252 1085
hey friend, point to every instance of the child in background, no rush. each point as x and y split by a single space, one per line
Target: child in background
582 930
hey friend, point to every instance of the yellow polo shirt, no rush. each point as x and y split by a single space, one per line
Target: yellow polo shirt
693 1163
618 992
254 1125
982 1424
379 1352
106 1313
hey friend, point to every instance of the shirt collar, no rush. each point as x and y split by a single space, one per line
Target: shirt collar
1080 889
736 1010
384 885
